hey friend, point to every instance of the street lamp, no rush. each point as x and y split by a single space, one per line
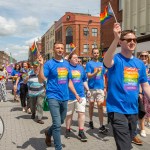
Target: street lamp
135 30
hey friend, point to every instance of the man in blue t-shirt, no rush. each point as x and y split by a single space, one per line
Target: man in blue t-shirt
125 74
95 72
56 71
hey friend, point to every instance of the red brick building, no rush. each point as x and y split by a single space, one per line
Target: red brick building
81 29
107 28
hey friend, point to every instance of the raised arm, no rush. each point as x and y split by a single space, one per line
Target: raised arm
108 58
41 76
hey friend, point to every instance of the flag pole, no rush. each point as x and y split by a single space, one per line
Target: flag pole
113 13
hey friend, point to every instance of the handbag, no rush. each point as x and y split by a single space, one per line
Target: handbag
45 105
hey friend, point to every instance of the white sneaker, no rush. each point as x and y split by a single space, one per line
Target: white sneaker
143 133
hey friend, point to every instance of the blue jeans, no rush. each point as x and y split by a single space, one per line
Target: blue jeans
58 111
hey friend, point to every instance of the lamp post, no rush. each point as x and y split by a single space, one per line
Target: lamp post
135 30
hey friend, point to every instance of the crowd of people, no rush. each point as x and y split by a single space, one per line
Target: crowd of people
68 84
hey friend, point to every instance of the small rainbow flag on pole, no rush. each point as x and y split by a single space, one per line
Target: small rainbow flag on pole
107 14
33 48
72 46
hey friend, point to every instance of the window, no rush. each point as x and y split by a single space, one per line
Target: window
94 32
120 5
85 31
94 46
85 48
67 48
69 31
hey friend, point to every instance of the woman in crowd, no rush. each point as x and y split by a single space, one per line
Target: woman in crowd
144 56
14 76
23 86
2 85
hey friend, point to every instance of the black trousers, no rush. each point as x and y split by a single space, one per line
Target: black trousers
23 94
124 127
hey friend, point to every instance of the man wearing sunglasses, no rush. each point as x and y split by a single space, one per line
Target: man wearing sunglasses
125 74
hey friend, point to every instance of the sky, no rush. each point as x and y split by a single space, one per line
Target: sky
24 21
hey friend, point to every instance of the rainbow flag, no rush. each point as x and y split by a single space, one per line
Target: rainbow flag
72 46
107 14
33 48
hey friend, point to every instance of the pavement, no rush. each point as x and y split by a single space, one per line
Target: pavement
21 132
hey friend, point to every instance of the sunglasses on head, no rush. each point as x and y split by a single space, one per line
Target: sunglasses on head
129 40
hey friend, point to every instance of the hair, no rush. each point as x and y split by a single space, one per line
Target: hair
147 55
125 32
71 55
26 63
58 42
17 64
94 49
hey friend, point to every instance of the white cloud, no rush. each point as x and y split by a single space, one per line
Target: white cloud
30 21
7 27
30 41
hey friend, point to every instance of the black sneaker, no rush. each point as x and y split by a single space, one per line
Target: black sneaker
103 129
91 125
67 134
82 136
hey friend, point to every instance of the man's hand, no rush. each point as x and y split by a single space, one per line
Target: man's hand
117 30
40 60
78 98
88 94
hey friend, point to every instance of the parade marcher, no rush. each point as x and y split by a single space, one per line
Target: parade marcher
95 72
36 93
79 79
23 87
14 76
125 74
3 97
56 71
144 56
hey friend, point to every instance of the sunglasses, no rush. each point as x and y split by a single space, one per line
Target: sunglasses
129 40
143 55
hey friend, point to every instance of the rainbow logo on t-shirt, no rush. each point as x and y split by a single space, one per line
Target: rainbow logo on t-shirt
99 74
62 75
76 76
130 78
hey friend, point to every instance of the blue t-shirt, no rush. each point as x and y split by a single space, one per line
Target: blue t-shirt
15 72
78 76
124 78
96 82
148 73
57 74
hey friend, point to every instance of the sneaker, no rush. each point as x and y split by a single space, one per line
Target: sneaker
29 111
91 125
40 121
143 133
137 141
33 116
103 129
82 136
67 134
48 139
24 109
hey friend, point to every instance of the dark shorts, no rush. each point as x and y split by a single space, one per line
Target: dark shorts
124 127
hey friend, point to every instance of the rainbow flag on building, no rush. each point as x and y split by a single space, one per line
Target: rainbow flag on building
33 48
72 46
107 14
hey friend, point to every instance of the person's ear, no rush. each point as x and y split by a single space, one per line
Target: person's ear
120 42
